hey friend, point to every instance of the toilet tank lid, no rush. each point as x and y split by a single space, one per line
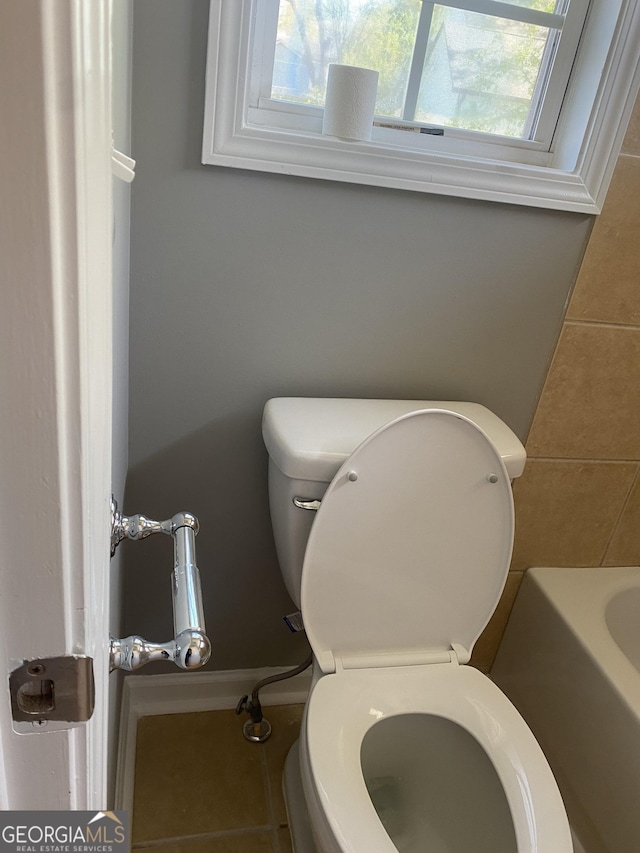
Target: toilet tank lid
308 438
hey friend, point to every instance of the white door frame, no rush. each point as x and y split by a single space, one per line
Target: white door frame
55 380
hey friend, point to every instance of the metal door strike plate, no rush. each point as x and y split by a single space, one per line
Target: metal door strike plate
56 689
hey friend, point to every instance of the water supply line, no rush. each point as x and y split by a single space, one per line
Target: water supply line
256 728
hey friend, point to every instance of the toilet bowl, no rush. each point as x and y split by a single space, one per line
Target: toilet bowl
402 746
430 758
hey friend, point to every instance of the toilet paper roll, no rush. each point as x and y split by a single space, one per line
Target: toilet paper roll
350 102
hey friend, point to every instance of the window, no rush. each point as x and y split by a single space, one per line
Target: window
496 68
511 95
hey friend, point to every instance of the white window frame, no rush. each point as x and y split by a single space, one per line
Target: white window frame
240 129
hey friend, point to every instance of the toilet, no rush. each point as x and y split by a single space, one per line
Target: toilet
393 523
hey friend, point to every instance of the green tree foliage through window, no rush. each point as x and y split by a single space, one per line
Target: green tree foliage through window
480 72
384 41
371 34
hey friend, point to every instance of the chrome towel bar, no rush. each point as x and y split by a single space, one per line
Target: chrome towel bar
190 648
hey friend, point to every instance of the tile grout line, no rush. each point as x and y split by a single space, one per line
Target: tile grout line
264 762
625 504
201 836
604 324
596 459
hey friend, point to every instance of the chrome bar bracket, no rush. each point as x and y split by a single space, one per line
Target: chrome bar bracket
190 648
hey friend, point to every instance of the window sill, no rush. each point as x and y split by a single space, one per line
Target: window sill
315 156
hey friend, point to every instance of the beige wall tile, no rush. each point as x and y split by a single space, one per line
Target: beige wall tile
624 548
631 144
590 405
608 285
566 511
485 649
195 773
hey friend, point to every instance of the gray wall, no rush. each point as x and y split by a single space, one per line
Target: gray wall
248 285
121 30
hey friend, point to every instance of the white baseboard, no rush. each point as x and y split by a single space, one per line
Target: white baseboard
180 693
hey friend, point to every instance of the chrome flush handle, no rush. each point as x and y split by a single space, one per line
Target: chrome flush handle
310 504
190 648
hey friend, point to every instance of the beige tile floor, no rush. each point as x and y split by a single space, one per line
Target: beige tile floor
200 787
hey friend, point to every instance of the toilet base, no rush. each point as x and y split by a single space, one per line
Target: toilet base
297 814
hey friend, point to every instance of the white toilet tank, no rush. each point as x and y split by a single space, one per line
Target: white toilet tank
309 438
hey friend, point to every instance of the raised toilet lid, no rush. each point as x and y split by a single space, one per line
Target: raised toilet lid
410 549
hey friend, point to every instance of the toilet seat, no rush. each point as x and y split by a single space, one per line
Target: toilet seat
344 707
390 576
395 592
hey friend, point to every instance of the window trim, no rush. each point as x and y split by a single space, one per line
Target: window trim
574 177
